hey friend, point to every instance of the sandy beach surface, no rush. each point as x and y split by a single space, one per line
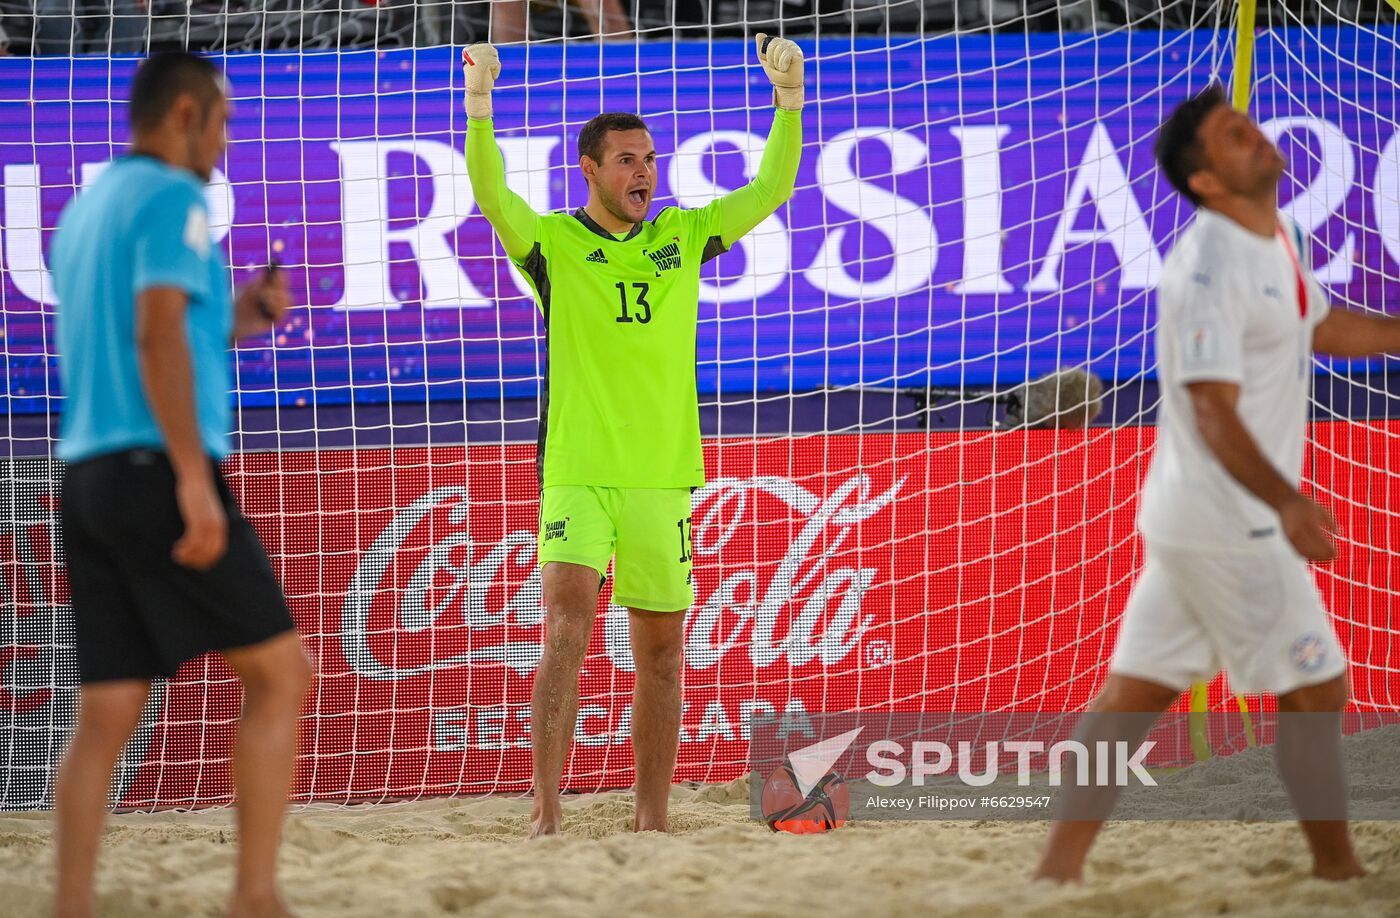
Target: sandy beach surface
467 857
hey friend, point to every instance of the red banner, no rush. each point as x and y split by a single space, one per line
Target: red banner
974 571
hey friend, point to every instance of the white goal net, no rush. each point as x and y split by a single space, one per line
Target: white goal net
977 207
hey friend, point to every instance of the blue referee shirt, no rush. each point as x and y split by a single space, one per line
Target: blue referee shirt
142 224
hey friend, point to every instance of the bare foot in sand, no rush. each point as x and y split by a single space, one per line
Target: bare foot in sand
1348 869
547 819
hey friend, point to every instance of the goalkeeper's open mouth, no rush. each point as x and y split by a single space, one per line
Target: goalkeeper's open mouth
639 197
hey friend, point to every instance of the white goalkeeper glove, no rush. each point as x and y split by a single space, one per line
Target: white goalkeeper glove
782 61
480 65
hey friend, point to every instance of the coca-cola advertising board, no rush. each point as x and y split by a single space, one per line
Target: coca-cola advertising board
973 570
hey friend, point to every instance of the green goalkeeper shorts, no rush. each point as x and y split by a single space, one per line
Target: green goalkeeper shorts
648 529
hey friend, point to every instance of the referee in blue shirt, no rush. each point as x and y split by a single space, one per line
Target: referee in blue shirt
163 566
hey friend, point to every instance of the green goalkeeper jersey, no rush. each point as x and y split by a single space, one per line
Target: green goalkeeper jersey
620 407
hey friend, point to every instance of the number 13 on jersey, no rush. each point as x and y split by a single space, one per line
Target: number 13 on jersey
639 301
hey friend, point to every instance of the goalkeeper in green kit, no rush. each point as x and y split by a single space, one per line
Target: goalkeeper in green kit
619 436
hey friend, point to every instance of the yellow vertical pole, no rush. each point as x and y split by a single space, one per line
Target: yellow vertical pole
1244 82
1244 54
1196 722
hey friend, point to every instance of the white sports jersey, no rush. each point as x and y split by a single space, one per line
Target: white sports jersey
1228 311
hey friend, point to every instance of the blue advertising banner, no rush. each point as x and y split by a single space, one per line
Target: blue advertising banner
968 211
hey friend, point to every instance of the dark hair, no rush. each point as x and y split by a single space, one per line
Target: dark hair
595 132
1179 150
163 78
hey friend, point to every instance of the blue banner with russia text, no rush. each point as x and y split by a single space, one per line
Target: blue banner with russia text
969 210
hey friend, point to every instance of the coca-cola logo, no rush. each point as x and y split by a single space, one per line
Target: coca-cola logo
427 595
447 578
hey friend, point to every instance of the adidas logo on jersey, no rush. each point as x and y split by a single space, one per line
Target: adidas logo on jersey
597 257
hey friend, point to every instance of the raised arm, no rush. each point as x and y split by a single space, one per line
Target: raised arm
744 208
514 221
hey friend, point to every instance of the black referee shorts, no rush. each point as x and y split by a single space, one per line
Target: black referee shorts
138 614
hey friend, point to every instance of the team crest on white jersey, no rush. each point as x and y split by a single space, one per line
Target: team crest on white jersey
1309 653
1202 342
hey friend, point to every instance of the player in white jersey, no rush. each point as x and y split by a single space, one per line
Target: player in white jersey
1228 534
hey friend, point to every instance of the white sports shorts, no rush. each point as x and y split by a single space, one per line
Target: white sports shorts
1256 615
